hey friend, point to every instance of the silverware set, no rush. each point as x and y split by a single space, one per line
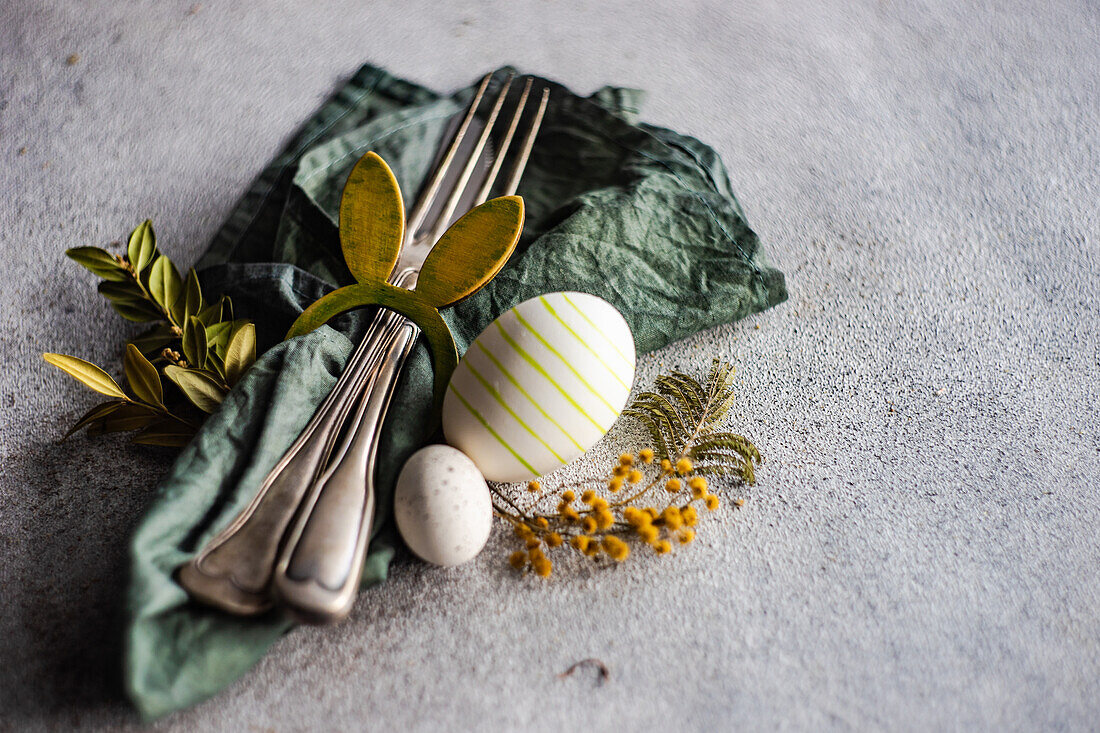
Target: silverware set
301 541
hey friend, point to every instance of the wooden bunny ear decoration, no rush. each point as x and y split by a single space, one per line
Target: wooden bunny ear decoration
372 230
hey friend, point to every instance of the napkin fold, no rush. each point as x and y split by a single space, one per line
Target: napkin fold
641 216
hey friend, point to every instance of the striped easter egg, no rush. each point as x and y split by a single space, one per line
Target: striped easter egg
540 385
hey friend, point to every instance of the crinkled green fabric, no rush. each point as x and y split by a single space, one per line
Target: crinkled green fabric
641 216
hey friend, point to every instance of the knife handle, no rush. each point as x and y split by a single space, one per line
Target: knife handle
319 568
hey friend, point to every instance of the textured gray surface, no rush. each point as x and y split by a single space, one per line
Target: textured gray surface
921 551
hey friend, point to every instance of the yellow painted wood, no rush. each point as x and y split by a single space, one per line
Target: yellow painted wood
405 302
471 252
372 225
372 220
327 307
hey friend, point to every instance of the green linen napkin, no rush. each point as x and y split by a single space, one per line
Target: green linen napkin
641 216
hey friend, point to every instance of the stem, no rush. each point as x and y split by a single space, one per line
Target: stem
509 502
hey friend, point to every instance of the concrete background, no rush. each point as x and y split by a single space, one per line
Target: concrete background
921 550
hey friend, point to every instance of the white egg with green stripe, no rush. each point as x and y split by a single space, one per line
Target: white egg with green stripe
540 385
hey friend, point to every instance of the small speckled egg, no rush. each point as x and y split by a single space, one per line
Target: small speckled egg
442 506
540 385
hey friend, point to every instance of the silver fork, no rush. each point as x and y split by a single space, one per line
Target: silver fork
317 575
233 571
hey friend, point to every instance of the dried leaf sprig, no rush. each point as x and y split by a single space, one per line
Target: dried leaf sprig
180 368
652 497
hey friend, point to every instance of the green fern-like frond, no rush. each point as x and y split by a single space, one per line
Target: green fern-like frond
682 416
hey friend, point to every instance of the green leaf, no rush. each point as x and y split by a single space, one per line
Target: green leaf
217 336
723 403
215 364
129 417
655 423
471 252
142 247
686 391
99 262
372 220
139 311
142 376
203 392
713 469
165 283
720 393
129 301
719 442
194 342
680 417
668 410
211 315
102 410
87 373
167 433
154 340
192 297
241 353
660 446
121 291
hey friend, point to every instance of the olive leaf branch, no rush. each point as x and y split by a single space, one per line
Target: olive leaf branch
196 349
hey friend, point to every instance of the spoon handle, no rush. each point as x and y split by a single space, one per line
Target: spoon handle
233 570
318 572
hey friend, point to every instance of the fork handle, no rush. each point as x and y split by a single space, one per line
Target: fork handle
318 573
233 570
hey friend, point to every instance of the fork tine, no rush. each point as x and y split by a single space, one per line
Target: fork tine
528 143
416 218
471 163
502 150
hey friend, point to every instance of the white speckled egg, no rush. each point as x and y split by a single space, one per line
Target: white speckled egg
540 385
442 506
